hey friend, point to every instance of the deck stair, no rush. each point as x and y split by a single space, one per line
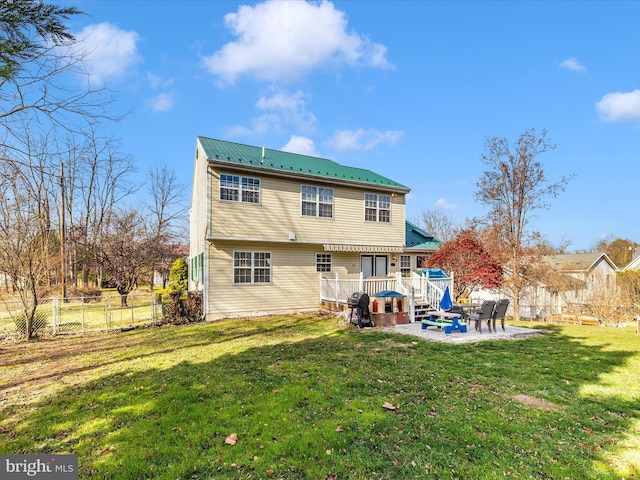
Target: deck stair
423 311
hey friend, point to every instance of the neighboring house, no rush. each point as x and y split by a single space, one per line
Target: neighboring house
171 254
578 278
265 224
419 246
634 264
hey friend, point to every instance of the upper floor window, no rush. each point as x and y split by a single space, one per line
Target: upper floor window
251 267
316 201
377 208
235 188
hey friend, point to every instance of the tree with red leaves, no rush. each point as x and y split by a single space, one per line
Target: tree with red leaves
473 266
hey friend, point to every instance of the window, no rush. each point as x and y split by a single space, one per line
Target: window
323 262
316 201
377 208
234 188
251 267
420 259
405 265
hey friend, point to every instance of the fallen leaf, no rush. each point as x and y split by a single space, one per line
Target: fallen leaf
339 428
231 439
389 406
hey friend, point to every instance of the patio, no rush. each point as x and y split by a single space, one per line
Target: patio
470 336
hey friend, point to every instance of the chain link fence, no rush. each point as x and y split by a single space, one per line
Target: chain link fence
56 316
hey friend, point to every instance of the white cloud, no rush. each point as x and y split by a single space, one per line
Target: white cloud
361 139
155 81
283 110
278 40
301 145
572 64
292 108
160 103
259 126
444 204
110 51
619 106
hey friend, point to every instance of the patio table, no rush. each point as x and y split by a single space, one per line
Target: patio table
466 308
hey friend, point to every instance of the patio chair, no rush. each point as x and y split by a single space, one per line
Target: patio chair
499 312
483 313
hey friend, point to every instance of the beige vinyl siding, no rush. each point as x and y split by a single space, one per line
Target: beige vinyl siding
279 215
294 281
198 210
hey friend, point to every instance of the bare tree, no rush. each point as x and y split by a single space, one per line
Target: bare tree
38 59
168 208
97 180
440 224
514 187
125 251
26 245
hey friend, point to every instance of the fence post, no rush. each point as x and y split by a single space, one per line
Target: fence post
82 305
361 282
451 285
54 314
337 292
412 305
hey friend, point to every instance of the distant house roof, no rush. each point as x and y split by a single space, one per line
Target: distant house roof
279 162
634 264
577 262
418 239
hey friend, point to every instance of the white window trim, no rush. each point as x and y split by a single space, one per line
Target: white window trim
240 190
252 268
330 262
318 203
408 267
377 207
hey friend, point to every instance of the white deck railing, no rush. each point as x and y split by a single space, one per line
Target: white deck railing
337 290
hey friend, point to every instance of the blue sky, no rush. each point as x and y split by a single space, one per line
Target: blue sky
408 89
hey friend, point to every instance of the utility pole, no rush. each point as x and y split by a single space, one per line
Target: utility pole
63 272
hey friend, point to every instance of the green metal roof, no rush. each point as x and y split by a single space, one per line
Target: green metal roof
278 161
418 239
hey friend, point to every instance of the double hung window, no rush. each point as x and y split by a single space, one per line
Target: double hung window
377 208
316 201
234 188
323 262
251 267
405 265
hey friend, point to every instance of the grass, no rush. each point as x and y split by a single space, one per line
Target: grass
304 396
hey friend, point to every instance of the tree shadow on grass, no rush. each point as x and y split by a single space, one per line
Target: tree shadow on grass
308 405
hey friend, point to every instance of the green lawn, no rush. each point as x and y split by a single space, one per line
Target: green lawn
305 398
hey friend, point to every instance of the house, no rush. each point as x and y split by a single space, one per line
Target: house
419 246
170 253
577 278
266 224
634 264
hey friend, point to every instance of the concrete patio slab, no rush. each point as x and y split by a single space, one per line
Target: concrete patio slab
471 335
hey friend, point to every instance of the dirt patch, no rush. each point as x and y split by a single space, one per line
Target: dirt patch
536 402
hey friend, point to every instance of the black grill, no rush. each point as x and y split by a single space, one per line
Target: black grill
358 302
